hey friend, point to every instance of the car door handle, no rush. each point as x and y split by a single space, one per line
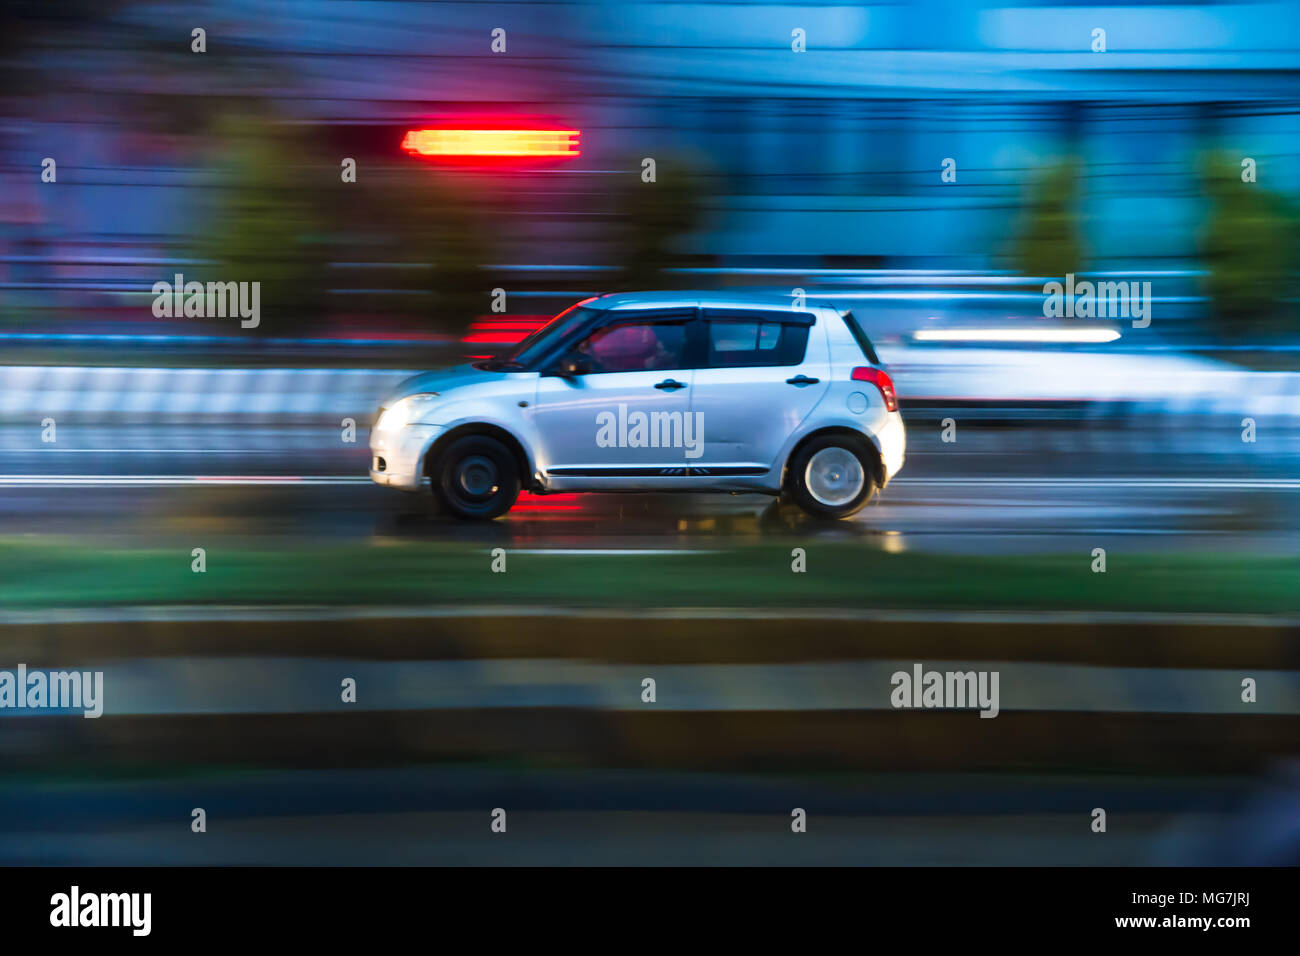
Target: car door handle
670 385
802 380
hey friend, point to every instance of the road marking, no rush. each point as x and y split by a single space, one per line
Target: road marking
614 551
16 617
1092 482
109 481
158 451
125 481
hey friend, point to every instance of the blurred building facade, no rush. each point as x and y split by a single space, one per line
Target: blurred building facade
835 154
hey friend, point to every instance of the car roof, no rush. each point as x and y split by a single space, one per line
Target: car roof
690 298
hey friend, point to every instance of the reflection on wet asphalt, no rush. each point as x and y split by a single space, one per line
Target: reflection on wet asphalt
910 515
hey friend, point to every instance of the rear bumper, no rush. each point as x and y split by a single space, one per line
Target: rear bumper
397 457
893 445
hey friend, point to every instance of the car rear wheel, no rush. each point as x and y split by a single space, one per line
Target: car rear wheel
476 477
830 477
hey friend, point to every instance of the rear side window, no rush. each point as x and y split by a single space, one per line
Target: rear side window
741 338
859 336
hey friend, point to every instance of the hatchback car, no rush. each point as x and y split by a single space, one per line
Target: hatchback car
679 391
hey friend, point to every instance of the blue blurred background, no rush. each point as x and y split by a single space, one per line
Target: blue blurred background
1062 157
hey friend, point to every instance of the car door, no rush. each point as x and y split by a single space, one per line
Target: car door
762 372
629 415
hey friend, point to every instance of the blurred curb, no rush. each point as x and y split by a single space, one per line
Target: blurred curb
648 635
713 741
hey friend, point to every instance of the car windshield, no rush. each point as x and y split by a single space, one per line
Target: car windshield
543 341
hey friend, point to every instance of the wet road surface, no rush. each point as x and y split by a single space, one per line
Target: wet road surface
1009 490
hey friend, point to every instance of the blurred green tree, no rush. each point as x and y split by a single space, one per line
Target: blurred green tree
404 243
269 223
650 220
1249 249
436 224
1048 242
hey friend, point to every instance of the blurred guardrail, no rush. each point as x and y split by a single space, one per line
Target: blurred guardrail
90 393
1119 384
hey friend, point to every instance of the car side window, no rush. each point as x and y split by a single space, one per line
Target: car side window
763 340
636 347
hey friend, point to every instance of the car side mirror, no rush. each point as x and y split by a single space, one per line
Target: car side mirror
573 365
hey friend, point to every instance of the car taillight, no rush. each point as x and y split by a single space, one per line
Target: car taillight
882 381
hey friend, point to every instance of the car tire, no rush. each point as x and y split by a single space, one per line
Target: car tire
476 478
831 477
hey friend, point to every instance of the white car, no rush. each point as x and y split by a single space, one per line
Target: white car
664 391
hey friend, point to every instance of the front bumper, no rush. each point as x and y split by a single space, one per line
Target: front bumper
397 457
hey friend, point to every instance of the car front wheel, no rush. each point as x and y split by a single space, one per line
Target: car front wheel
830 477
476 477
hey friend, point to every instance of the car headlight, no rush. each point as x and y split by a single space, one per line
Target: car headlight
404 411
